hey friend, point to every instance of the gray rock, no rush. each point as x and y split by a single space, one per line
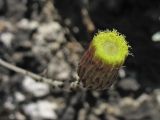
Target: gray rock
129 84
51 32
59 69
19 96
19 116
157 96
38 89
7 38
140 108
82 114
41 110
69 114
93 117
9 103
122 73
25 24
16 9
156 37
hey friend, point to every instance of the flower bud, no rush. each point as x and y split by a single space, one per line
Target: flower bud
98 68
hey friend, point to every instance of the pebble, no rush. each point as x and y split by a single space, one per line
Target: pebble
7 38
16 9
128 102
19 116
41 110
9 103
59 69
51 32
156 37
25 24
100 109
157 95
69 114
129 84
93 117
82 114
19 96
122 73
38 89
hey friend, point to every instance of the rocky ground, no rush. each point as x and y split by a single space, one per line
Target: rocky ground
51 35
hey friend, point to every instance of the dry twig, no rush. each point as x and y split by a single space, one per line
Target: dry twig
54 83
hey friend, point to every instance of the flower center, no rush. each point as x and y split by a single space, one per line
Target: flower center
110 48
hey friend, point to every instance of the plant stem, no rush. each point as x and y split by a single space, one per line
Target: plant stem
54 83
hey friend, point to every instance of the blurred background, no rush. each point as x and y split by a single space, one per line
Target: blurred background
52 35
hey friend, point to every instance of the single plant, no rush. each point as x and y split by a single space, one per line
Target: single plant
98 68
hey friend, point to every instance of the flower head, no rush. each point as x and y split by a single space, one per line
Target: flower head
110 47
98 68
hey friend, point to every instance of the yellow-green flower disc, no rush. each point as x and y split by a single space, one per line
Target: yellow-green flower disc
110 47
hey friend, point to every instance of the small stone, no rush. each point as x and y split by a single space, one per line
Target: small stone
128 102
46 109
113 110
54 47
139 109
25 24
7 38
9 104
16 9
19 97
122 73
38 89
19 116
156 37
2 25
75 29
129 84
144 97
110 117
60 54
93 117
100 109
69 114
59 69
63 75
41 110
157 95
82 114
51 32
5 25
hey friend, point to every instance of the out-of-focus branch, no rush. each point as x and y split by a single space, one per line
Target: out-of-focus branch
54 83
87 20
